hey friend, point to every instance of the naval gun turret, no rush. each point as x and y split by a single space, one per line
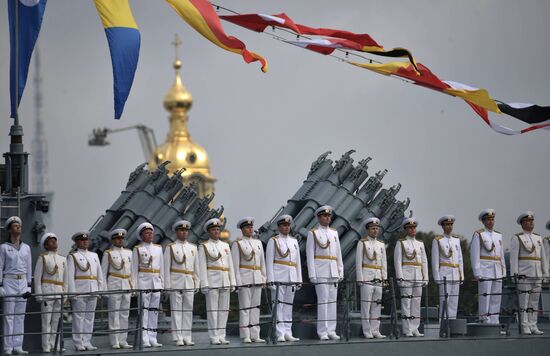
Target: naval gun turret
354 196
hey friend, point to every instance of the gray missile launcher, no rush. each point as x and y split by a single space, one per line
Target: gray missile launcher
354 196
159 199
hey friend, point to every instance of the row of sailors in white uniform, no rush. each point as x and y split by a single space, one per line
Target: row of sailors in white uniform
181 270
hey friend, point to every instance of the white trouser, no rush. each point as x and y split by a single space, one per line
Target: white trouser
453 290
489 296
327 293
529 295
150 317
284 309
50 309
217 310
411 296
83 320
181 320
249 311
371 307
119 306
14 311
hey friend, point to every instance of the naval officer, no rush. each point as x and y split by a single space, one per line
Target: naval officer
448 264
50 277
528 262
371 269
250 276
411 270
181 269
488 267
283 268
325 270
148 274
117 269
15 279
217 279
84 277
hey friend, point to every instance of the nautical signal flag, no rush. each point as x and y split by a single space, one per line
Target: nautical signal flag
340 39
479 99
200 15
25 20
124 41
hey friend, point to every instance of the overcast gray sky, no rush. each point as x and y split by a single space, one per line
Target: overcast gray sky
263 130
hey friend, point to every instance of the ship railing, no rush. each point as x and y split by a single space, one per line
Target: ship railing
516 289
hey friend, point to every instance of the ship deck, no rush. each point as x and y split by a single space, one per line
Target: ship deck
430 344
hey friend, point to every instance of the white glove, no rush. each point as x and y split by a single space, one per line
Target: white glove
272 286
232 289
205 290
313 280
28 289
196 290
424 283
298 286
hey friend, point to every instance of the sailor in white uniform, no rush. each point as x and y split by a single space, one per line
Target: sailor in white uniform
181 268
50 277
284 274
217 278
528 263
148 274
448 265
411 270
15 280
117 269
250 276
84 276
325 270
371 269
488 267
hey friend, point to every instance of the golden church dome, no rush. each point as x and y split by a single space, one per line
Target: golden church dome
179 148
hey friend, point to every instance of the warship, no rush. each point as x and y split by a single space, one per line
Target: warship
177 183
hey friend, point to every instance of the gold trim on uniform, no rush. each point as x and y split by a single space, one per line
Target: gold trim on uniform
255 268
321 257
148 270
182 271
218 268
286 263
51 281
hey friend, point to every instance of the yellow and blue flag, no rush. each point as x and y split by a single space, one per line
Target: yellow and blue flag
124 42
25 20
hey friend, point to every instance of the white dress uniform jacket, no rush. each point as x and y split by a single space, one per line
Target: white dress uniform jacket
283 265
528 259
50 277
84 275
15 277
447 263
148 273
117 269
250 275
371 268
489 266
181 269
217 279
325 267
411 265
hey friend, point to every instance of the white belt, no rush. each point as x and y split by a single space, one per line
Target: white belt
15 276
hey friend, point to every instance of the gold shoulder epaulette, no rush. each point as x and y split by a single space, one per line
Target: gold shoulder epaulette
126 249
108 250
313 229
157 245
238 239
402 239
171 243
44 254
137 246
274 237
333 229
438 237
480 231
364 239
203 242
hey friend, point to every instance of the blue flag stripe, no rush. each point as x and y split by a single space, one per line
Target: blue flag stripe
124 43
29 22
